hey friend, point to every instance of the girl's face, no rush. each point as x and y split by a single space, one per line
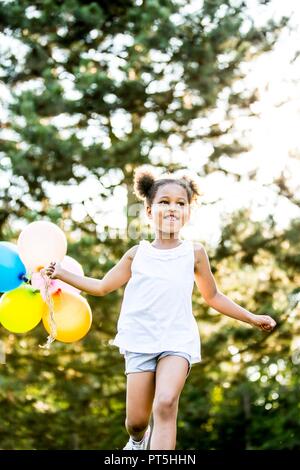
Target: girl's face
170 209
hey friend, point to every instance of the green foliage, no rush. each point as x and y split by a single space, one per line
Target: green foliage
76 67
245 393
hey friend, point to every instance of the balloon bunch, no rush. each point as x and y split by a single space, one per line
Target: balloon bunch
65 314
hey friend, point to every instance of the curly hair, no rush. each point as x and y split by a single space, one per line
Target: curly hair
146 185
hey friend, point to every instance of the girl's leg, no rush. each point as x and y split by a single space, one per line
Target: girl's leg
140 393
171 375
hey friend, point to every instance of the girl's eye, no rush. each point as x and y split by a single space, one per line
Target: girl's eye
166 202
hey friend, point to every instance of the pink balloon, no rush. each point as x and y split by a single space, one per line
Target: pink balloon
40 243
68 263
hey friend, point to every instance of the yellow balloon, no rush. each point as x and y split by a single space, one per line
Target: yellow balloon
21 309
72 316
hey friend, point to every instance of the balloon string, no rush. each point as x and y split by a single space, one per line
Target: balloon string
49 301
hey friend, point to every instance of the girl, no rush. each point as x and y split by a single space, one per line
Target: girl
157 332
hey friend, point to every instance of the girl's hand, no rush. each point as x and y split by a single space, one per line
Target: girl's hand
264 322
53 270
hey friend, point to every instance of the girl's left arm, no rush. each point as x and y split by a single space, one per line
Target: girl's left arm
207 286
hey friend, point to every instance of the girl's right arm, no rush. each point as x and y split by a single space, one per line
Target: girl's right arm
113 279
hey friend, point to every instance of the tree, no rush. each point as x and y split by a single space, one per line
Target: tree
96 89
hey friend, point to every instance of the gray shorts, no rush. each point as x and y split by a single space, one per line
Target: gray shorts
144 362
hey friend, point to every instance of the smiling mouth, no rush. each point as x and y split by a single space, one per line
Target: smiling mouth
171 217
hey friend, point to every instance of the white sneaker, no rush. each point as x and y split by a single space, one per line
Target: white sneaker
141 445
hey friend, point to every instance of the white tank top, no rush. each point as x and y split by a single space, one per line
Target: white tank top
156 313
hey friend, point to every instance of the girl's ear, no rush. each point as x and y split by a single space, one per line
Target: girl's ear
149 212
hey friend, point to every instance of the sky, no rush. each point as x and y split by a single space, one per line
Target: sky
272 136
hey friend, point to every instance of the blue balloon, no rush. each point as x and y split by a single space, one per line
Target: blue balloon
12 270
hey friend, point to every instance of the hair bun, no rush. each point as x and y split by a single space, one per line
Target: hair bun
192 185
143 182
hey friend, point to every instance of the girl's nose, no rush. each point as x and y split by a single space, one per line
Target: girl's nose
172 206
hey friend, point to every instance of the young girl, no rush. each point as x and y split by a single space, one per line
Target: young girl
157 332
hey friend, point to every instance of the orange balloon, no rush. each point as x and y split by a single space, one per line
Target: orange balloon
72 316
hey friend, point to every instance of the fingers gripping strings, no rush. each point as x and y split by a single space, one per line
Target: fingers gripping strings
49 301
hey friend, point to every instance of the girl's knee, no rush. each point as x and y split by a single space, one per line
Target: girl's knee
165 406
136 425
